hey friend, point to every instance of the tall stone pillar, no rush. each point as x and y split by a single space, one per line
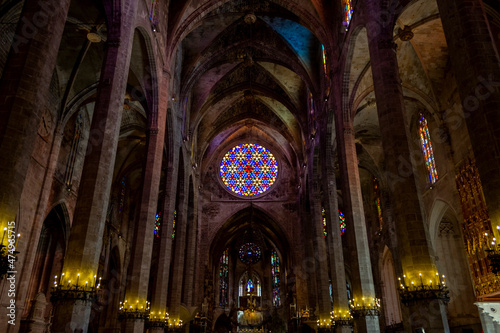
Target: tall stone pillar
140 262
162 279
418 265
363 286
471 47
334 239
84 246
174 299
24 91
319 244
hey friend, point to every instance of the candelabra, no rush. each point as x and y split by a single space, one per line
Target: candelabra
158 319
324 325
422 291
133 311
175 325
341 318
66 290
365 307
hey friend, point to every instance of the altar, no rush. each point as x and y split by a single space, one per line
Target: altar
250 318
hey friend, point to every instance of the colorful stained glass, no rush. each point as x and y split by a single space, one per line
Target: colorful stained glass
347 13
248 169
250 253
311 104
323 216
376 192
154 11
223 278
426 145
342 222
157 224
275 272
173 224
325 64
249 287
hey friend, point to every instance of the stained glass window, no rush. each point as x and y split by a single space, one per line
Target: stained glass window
311 104
249 287
323 216
275 272
425 141
248 169
342 222
157 224
376 192
122 195
154 11
325 64
173 224
224 277
250 253
347 13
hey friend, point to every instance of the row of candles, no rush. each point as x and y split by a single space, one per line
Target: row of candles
340 315
85 286
159 316
138 306
440 281
5 234
365 303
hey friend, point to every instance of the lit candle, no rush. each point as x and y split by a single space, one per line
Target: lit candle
4 231
77 279
421 281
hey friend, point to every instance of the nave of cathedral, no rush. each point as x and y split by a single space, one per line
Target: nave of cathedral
249 166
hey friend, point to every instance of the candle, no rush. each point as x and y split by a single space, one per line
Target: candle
421 281
77 278
4 231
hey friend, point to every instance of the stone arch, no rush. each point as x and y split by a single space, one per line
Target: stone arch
448 245
351 67
48 263
150 80
390 297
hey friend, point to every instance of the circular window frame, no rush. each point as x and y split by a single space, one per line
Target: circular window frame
241 196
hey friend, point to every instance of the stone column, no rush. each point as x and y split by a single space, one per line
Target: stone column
140 262
24 88
319 244
161 282
475 63
191 243
363 286
162 278
179 258
334 239
413 245
84 246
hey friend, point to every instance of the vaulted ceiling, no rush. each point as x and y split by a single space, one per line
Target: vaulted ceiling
247 70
